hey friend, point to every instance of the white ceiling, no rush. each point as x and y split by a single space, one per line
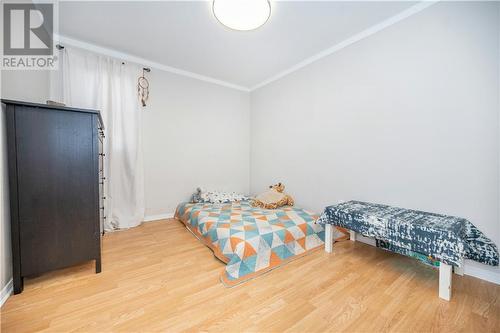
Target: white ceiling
185 35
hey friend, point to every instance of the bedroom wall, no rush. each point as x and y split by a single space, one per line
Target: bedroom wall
22 85
408 116
5 249
195 134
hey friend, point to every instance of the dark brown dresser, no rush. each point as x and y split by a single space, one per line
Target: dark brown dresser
56 181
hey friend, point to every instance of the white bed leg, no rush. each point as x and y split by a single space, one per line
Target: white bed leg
352 235
445 281
459 270
328 238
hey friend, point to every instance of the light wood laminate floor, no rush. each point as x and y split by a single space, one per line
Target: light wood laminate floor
158 277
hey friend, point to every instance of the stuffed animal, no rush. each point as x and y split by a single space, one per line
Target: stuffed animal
273 198
196 197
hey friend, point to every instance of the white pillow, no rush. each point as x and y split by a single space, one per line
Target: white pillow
218 196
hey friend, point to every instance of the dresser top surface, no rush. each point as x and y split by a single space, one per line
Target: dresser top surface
54 107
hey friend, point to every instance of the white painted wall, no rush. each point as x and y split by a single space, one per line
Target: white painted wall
5 247
32 86
195 134
408 116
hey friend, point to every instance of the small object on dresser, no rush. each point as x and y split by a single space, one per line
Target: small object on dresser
54 103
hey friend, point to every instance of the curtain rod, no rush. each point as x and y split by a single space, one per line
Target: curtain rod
61 47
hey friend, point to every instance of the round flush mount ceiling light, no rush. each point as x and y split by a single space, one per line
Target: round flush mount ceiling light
242 14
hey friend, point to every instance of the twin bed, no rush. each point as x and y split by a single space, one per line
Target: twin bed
251 240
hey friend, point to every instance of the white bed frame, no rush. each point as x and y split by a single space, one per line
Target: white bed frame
445 270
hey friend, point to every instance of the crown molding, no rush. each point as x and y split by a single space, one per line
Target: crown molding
335 48
351 40
144 62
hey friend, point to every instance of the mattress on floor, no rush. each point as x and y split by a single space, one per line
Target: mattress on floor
251 240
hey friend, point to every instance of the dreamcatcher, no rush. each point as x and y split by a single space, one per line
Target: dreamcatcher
143 86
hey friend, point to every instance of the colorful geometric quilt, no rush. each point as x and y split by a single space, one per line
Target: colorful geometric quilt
251 240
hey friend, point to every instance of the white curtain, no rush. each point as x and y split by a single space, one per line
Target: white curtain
89 80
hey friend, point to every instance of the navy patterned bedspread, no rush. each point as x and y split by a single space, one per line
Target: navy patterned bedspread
446 238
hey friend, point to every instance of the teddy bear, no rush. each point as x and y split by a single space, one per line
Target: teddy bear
273 198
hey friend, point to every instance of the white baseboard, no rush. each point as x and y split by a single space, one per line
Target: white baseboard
150 218
469 268
366 240
6 292
481 273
